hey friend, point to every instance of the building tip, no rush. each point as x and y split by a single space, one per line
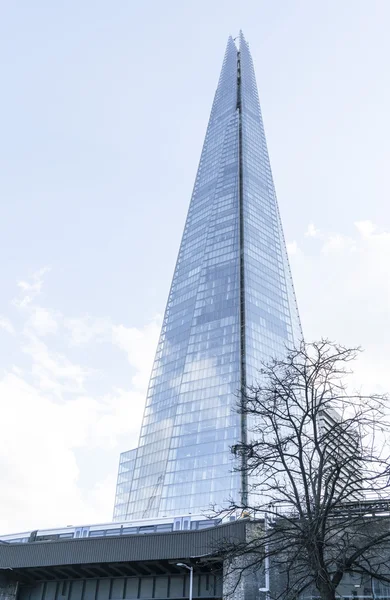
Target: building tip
237 39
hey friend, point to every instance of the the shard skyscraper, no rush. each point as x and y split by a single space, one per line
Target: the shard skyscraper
231 305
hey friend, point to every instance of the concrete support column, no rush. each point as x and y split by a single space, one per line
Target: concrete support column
8 589
244 576
233 586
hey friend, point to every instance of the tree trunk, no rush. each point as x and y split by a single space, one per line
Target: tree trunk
327 591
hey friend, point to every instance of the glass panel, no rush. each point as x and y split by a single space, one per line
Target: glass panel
129 530
206 524
97 533
164 527
230 306
147 529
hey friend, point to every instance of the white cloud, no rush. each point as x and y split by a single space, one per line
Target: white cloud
292 248
52 370
137 343
312 231
6 325
42 321
343 293
372 236
338 242
39 471
32 288
61 442
83 330
119 413
365 228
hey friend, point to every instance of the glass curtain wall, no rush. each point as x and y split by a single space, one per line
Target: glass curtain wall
231 304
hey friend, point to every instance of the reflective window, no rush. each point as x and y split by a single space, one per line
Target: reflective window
146 529
97 533
129 530
231 298
164 527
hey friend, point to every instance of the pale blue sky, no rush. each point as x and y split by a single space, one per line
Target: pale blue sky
105 106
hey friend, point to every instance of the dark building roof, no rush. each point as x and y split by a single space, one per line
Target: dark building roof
116 556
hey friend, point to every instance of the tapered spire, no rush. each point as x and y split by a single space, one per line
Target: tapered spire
231 305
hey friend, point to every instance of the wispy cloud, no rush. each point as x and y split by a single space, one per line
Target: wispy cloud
312 231
348 295
137 343
6 325
337 242
83 330
53 402
31 288
43 321
292 248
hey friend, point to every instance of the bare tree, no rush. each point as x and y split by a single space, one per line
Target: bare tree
317 461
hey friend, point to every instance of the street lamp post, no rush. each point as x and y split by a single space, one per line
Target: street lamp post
191 570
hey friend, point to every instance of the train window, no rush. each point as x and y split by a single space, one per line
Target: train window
194 524
207 523
113 532
66 536
164 527
97 533
186 524
81 532
129 530
147 529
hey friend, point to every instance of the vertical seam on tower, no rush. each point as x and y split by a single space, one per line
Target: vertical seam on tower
243 423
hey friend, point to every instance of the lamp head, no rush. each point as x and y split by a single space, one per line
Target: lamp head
183 565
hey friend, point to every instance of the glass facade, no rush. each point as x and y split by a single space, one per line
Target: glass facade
231 304
124 481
